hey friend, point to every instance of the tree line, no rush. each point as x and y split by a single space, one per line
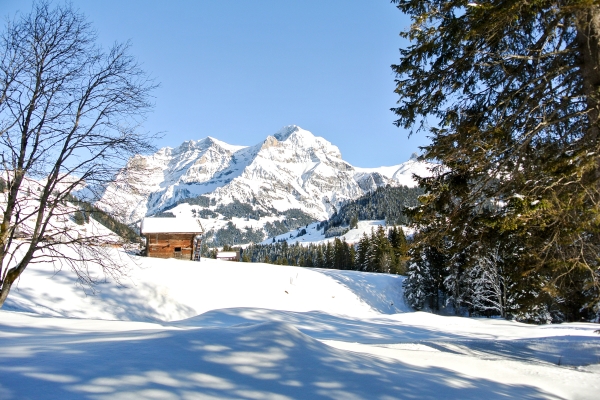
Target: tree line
381 251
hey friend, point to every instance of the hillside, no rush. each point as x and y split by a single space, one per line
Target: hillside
385 203
382 206
72 218
214 329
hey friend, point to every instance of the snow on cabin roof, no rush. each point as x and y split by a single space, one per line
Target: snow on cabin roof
171 225
227 254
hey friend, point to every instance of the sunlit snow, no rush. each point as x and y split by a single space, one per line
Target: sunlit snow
215 329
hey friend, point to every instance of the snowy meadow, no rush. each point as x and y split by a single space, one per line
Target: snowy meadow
184 330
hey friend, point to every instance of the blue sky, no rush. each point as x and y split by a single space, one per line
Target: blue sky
239 71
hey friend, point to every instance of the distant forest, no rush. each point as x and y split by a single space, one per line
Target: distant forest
377 252
386 203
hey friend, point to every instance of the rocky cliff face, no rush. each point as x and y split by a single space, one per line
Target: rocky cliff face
292 169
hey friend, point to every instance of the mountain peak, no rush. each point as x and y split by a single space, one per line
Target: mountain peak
211 141
286 132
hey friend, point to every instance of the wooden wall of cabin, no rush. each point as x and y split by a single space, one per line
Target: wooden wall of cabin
170 245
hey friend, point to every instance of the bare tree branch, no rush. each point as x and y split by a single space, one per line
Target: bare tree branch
70 115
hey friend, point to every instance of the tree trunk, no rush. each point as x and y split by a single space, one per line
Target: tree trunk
588 40
11 276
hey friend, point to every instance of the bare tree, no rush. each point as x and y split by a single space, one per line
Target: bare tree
70 114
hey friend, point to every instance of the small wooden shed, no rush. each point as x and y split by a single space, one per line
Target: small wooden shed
172 237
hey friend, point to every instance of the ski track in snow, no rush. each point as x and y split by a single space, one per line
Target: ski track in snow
215 329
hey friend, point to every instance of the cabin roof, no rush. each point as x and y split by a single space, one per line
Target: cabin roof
170 225
227 254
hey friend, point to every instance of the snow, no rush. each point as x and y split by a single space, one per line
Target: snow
227 254
229 147
61 225
172 225
316 236
214 329
403 173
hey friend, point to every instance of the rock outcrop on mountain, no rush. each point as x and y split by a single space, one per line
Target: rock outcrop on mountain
290 170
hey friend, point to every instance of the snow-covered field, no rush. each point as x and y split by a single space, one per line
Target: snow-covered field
184 330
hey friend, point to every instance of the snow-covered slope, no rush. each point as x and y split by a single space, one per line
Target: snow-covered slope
220 330
167 290
61 225
292 169
314 235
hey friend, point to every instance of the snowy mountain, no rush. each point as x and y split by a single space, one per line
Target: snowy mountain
290 170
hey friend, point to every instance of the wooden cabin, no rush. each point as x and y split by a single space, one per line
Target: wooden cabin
172 237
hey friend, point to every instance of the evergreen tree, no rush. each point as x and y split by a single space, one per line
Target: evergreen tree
423 286
351 258
398 241
309 263
338 254
371 258
380 251
78 217
362 253
354 222
399 246
515 87
320 259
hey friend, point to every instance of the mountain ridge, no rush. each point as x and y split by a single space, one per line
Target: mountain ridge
291 169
